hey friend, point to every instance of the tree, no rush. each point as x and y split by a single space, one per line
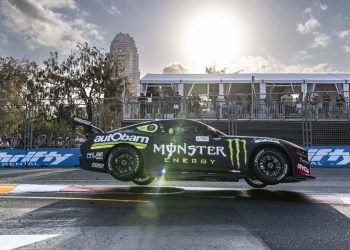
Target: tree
211 69
86 74
18 87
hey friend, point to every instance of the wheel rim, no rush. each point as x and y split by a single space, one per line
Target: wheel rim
271 165
124 163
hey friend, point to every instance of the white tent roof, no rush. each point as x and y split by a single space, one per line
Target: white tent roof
273 78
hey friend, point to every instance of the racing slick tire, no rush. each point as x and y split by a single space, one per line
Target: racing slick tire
270 166
143 180
255 183
124 162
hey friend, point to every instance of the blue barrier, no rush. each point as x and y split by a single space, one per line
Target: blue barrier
329 156
320 157
39 157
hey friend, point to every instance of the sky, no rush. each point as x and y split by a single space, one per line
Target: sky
187 35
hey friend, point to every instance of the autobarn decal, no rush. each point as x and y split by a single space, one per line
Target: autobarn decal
109 141
121 137
237 144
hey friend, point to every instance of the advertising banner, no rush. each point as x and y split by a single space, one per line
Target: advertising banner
329 156
320 157
39 157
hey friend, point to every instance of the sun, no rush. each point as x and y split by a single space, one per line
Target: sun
213 36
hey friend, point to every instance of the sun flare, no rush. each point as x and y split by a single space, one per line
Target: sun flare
214 36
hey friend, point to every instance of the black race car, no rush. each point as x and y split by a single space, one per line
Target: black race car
183 149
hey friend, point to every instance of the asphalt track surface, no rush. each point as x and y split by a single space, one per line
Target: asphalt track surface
75 209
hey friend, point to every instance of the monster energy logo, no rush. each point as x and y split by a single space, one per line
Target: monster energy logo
238 143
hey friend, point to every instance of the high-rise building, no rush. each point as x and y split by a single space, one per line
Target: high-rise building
124 50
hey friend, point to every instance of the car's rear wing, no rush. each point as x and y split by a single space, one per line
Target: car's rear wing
89 128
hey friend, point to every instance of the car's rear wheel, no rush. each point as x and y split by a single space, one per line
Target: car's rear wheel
255 183
143 180
124 162
270 166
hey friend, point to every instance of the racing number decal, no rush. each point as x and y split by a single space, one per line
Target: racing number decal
237 143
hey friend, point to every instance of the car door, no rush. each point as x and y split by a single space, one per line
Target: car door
188 146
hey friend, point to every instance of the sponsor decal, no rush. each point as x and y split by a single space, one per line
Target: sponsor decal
330 156
238 144
121 137
33 158
82 121
197 161
303 170
109 141
150 128
174 151
97 165
273 140
95 155
202 138
190 150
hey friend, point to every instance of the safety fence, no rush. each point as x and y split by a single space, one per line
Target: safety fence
305 120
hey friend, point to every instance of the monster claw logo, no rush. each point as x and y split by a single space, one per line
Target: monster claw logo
238 143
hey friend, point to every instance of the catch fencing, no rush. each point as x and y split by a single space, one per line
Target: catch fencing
304 120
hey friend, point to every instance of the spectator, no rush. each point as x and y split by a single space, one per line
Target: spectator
4 144
79 139
339 105
41 141
51 142
142 100
15 140
60 142
177 103
287 101
326 100
164 102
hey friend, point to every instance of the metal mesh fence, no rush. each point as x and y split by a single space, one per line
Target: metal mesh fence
47 123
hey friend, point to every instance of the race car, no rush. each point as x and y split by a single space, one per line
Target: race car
182 149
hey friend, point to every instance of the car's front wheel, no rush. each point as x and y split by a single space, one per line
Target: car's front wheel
124 162
143 180
270 166
255 183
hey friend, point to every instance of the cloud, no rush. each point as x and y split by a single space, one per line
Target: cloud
58 4
41 24
3 39
271 64
346 49
113 10
343 34
174 68
258 64
320 40
308 26
307 11
302 55
302 68
323 7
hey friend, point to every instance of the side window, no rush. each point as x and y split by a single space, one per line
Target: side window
149 128
185 128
